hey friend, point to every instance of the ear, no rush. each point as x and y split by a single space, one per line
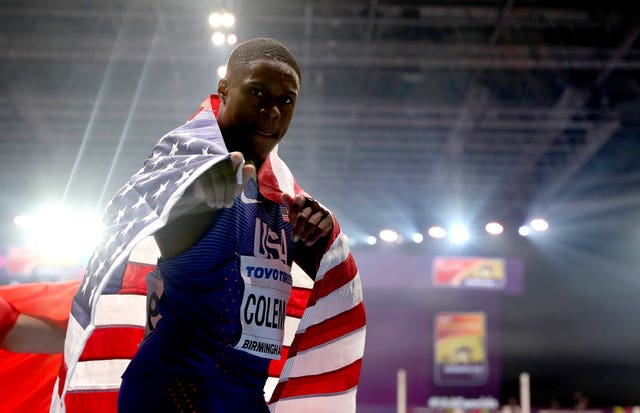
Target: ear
223 89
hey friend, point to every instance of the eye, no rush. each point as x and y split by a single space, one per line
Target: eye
257 92
287 100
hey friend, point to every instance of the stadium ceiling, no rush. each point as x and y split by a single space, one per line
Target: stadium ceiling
410 111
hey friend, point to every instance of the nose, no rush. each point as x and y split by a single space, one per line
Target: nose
270 111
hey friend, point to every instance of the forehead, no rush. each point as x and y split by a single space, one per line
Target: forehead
269 71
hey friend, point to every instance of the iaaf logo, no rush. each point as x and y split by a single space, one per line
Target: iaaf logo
268 243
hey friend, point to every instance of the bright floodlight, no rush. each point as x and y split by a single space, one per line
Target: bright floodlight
222 71
232 39
228 19
61 232
524 230
215 20
459 234
494 228
437 232
388 235
371 240
218 38
539 224
417 238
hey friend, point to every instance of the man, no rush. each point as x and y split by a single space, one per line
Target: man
228 239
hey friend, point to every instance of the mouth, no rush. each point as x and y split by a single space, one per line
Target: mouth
266 133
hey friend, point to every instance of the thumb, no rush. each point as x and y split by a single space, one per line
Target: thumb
248 173
287 200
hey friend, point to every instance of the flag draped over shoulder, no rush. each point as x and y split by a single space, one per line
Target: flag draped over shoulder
325 326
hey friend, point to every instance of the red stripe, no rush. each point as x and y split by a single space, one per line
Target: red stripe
275 367
134 278
298 301
336 381
92 401
333 279
112 343
330 329
62 375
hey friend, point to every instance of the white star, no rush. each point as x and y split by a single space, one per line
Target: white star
169 167
116 252
189 159
205 151
183 178
99 269
157 161
128 227
111 240
149 217
120 215
163 187
85 284
189 142
174 149
156 154
141 201
126 189
150 178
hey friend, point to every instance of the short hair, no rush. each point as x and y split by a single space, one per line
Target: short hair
258 49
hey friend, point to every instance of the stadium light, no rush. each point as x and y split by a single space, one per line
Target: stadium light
524 230
222 71
389 235
459 234
417 238
539 224
494 228
437 232
371 240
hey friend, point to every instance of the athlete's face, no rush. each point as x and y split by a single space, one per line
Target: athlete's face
257 107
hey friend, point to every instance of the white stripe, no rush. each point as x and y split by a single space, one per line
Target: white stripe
98 375
73 340
269 387
300 278
337 302
121 310
334 403
290 328
329 357
337 254
145 252
56 404
281 172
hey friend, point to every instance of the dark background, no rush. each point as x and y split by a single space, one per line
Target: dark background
412 113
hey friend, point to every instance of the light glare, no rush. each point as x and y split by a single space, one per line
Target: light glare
417 238
494 228
371 240
524 230
437 232
388 235
459 235
215 20
539 224
222 71
218 38
228 20
232 39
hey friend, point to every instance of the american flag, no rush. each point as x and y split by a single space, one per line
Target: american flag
325 326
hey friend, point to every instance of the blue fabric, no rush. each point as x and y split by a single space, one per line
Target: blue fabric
200 308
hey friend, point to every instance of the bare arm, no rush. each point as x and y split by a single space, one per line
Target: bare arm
34 335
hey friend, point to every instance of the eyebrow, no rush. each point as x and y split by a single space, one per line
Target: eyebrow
264 85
